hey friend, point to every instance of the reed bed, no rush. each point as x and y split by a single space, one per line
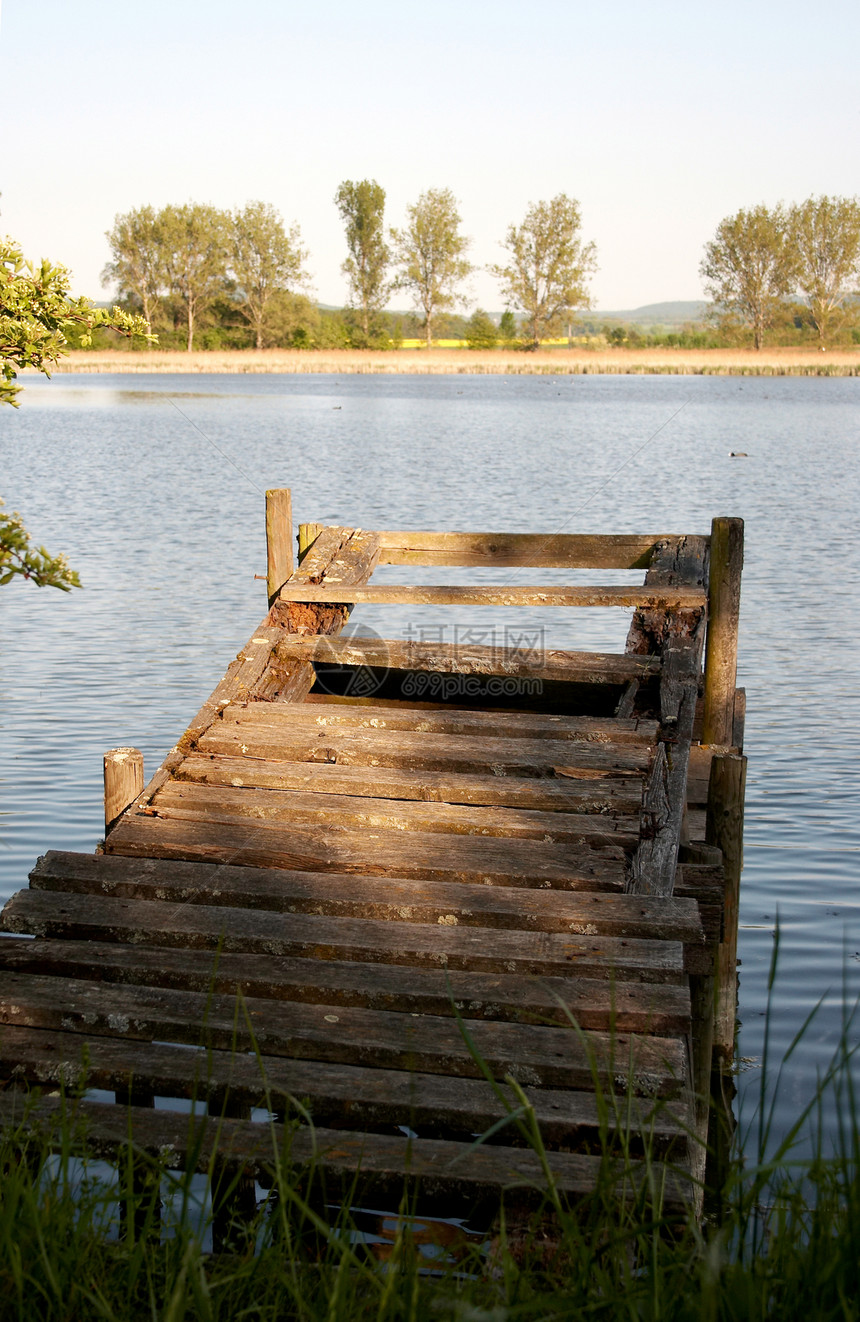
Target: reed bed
547 362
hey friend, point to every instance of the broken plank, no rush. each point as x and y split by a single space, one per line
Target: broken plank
466 659
600 1003
427 945
677 562
350 896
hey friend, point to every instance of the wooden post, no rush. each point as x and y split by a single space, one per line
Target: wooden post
724 828
279 540
721 656
308 533
123 781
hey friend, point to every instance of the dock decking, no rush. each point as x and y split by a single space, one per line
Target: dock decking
399 920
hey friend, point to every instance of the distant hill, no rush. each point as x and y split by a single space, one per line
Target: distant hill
656 314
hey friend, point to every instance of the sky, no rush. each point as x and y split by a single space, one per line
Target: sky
660 118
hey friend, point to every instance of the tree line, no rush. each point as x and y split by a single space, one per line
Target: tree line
182 265
759 258
186 267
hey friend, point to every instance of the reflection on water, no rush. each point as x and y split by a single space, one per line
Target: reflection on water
155 490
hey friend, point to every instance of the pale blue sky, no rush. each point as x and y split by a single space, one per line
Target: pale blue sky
659 118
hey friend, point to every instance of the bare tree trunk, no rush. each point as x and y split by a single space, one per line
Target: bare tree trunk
190 326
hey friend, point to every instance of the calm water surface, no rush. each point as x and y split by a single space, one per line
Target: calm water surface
154 487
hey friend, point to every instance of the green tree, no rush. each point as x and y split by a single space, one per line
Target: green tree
825 236
748 268
548 265
362 206
265 258
196 256
508 326
481 331
137 265
429 252
35 313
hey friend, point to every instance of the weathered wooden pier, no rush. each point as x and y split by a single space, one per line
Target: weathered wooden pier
394 889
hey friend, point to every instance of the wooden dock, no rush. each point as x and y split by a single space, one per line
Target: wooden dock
400 889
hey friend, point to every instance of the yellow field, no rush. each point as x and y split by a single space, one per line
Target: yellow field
721 362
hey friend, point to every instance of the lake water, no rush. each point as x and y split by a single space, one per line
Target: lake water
154 488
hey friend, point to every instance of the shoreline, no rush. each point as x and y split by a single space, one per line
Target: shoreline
466 362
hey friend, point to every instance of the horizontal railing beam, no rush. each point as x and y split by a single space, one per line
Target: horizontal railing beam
539 550
396 594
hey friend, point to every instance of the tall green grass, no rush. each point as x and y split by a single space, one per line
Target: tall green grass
783 1244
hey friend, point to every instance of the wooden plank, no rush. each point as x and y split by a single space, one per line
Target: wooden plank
725 830
664 804
507 724
422 945
346 555
396 594
417 750
351 812
599 1003
463 659
548 550
349 896
609 792
123 781
677 562
340 1095
555 1057
279 540
419 854
237 684
377 1165
721 659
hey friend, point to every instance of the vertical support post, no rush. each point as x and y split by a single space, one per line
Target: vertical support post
123 781
725 828
279 540
308 533
721 655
